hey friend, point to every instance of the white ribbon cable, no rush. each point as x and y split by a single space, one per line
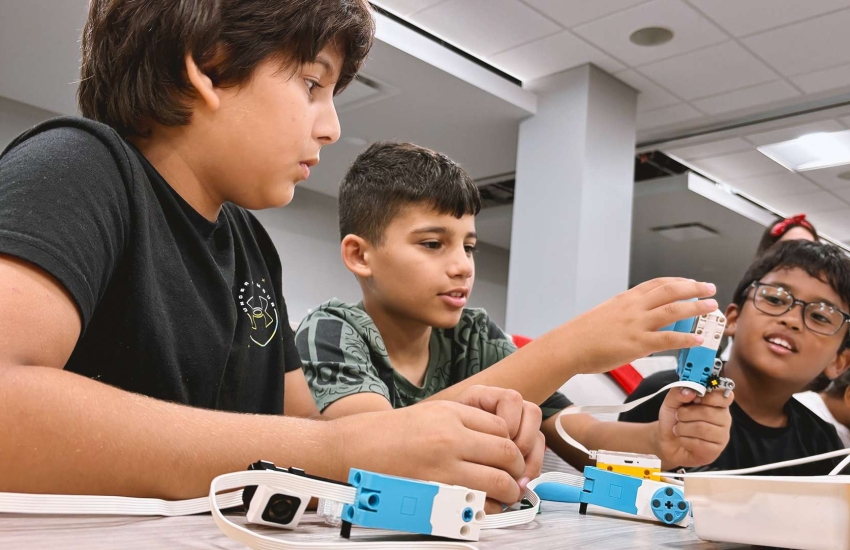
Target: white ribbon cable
773 466
21 503
264 542
616 409
521 517
841 465
558 477
515 517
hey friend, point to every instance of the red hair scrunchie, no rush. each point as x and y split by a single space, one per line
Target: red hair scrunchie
780 228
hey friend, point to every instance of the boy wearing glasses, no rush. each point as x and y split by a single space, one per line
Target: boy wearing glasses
790 323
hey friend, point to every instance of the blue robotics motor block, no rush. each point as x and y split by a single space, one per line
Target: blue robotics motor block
643 498
411 506
700 364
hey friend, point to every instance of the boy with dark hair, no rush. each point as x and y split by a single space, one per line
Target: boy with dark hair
407 223
779 349
141 302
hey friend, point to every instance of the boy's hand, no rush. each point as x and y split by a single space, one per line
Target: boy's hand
522 419
439 441
693 430
626 327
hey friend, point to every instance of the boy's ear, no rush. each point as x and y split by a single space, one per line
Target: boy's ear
732 313
356 253
839 365
202 84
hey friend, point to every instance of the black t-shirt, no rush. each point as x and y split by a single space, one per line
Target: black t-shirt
750 443
173 306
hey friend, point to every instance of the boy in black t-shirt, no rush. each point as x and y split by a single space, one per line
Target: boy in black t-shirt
140 302
790 323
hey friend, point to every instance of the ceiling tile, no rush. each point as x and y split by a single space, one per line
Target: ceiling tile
828 177
575 12
710 71
710 149
845 121
749 16
666 115
844 194
405 7
738 166
793 132
691 31
485 27
827 79
764 187
551 55
760 94
809 203
652 96
804 47
835 224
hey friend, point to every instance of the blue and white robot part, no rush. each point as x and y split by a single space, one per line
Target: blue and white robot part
700 364
411 506
643 498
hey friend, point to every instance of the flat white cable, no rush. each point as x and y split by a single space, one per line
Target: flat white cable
24 503
774 466
276 480
841 465
616 409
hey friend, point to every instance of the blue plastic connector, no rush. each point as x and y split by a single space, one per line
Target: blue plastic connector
669 505
388 502
610 490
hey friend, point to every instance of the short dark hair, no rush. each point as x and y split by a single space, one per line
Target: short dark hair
768 238
823 261
389 176
133 64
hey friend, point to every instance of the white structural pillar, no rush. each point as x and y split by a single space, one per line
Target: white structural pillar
572 214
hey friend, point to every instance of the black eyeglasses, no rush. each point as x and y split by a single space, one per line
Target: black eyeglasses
817 316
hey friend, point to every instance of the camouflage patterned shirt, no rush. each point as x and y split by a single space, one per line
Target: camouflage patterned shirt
343 354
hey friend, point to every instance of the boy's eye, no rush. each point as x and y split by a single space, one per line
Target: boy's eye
432 245
822 319
311 85
470 249
773 300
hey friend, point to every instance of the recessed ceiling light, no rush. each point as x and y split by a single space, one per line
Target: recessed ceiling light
651 36
810 152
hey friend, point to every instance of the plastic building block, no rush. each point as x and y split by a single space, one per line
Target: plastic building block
700 364
636 465
643 498
411 506
669 505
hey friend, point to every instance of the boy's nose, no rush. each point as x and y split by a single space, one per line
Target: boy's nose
793 318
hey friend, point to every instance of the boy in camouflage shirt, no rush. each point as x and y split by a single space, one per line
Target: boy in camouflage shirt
407 223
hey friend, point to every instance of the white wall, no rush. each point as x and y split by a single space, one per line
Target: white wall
16 117
306 235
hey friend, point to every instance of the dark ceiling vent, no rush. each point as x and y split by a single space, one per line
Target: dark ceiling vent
499 190
686 232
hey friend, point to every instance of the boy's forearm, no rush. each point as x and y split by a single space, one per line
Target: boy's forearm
64 433
536 371
597 435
